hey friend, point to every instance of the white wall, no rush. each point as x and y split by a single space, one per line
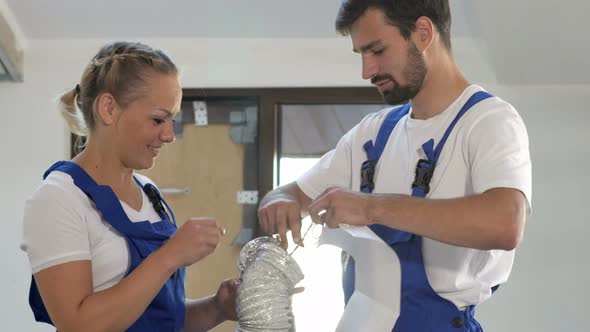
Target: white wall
548 288
34 135
546 291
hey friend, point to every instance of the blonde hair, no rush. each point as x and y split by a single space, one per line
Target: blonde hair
120 69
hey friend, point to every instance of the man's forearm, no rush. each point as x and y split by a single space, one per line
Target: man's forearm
492 220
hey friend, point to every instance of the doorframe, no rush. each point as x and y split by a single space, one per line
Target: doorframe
269 100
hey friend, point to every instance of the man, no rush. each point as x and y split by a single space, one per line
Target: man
445 180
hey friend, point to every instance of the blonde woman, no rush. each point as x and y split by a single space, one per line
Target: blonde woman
103 245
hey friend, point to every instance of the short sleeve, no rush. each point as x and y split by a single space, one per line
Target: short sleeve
332 170
498 150
54 228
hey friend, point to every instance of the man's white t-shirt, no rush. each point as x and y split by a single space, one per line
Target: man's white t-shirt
488 148
61 224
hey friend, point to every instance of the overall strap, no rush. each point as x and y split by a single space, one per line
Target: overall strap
368 169
166 312
106 202
374 151
156 199
425 167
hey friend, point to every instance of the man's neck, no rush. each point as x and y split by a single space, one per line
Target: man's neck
443 84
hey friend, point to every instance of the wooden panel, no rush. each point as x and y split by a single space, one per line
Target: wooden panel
210 164
269 100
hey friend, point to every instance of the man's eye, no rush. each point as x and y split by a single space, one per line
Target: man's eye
378 52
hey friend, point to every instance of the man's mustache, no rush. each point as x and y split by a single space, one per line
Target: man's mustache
379 78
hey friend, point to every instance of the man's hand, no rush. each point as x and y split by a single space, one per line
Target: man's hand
341 206
279 214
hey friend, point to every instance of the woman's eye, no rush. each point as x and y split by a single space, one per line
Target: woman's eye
158 121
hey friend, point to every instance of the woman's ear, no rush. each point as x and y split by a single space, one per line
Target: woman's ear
106 106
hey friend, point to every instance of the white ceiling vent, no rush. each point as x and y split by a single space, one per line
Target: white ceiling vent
11 56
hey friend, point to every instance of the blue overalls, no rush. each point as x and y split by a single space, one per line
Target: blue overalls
166 311
421 308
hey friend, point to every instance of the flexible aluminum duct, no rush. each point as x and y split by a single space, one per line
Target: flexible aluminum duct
267 278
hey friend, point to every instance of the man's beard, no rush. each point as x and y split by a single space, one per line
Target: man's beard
414 72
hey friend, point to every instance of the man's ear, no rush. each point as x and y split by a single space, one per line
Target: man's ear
424 34
106 108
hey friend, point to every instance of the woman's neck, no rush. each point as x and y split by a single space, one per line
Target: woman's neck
104 167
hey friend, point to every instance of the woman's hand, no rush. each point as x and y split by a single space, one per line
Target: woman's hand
225 299
193 241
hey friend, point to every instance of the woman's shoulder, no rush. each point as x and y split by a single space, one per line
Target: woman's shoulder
56 182
57 188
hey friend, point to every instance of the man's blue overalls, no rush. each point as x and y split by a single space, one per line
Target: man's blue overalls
421 308
166 312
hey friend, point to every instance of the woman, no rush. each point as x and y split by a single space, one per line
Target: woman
102 243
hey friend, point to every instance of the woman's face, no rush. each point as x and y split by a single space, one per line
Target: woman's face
145 125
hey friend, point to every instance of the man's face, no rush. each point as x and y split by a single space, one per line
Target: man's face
393 64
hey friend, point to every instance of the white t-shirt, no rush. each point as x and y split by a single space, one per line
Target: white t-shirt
61 224
488 148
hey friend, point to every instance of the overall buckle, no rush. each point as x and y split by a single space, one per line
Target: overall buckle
424 172
367 172
155 199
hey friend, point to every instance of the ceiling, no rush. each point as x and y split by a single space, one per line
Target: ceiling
64 19
525 41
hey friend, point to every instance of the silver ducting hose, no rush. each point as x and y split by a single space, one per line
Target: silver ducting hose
268 275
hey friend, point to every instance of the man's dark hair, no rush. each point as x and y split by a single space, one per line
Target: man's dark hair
399 13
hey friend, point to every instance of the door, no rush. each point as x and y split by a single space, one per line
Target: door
199 175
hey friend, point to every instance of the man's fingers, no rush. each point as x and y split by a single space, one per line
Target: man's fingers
295 226
263 220
323 194
318 213
281 224
298 290
319 205
314 210
329 219
271 216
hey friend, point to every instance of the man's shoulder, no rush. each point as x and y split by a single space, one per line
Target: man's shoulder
495 102
370 125
376 119
491 111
